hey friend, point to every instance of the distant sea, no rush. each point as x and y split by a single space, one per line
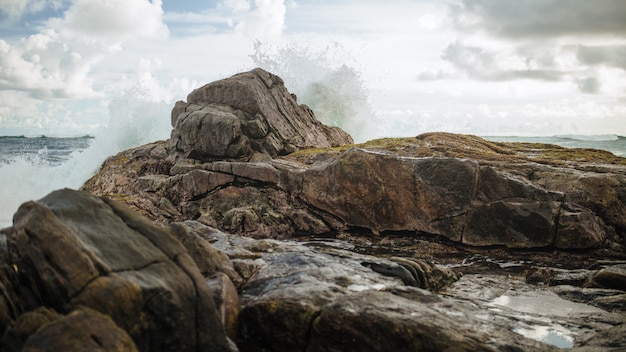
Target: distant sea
31 167
613 143
42 150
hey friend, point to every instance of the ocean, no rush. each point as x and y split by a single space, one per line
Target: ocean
31 167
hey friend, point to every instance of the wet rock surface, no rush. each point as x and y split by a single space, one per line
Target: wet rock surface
341 294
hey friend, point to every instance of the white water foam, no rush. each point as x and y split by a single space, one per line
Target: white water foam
326 79
134 120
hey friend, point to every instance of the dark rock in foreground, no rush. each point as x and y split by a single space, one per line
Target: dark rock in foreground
71 250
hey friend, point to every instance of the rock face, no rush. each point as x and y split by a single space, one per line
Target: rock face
71 250
466 189
476 202
248 113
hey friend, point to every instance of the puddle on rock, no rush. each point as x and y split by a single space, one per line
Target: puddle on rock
544 303
555 335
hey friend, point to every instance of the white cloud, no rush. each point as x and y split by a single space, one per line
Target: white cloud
53 70
56 62
609 55
551 41
265 20
482 64
236 6
113 20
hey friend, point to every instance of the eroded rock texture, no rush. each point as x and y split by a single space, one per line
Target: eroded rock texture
248 113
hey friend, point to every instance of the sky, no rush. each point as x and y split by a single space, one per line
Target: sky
376 69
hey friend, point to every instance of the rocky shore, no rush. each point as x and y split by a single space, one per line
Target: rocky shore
257 228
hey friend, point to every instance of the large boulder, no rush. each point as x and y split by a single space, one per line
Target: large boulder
251 112
71 249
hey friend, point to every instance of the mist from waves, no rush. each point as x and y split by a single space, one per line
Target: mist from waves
326 79
133 120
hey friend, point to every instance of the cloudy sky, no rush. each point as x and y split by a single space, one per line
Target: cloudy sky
394 68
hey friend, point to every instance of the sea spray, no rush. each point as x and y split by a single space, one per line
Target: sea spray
133 120
326 80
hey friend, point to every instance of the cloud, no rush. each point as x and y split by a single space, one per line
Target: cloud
113 20
548 40
56 63
14 9
265 20
546 18
609 55
479 63
589 85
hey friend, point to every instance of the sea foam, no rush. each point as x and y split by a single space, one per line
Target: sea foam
133 121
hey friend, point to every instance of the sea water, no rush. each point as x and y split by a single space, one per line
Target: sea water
613 143
33 166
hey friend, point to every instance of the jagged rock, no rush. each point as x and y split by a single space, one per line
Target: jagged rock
460 199
247 113
463 188
227 301
72 249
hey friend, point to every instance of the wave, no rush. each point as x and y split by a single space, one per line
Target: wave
133 121
325 80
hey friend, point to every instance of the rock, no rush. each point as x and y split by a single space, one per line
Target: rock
248 113
90 331
463 188
376 321
612 277
578 227
386 193
209 260
72 249
227 302
26 325
323 296
599 297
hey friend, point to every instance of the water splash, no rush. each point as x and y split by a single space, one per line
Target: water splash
325 79
135 119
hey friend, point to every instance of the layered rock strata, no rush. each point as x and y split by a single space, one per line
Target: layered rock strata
246 115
